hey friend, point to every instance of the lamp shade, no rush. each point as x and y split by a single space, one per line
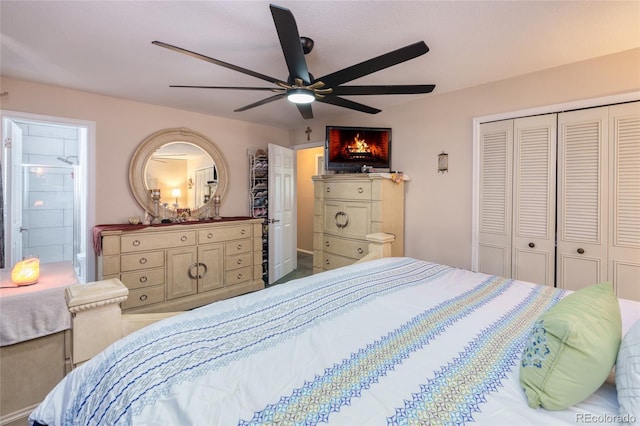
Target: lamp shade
26 272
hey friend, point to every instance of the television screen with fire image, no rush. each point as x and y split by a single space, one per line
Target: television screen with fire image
350 148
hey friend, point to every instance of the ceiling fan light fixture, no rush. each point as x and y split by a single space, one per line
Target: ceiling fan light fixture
300 96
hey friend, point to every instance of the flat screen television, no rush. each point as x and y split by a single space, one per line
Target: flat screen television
347 149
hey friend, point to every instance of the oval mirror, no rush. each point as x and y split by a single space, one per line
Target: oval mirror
186 168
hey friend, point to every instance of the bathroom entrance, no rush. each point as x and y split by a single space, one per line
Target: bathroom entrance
45 171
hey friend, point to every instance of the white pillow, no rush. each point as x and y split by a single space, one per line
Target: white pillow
628 373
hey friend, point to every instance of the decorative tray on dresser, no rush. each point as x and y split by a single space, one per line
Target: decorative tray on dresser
181 266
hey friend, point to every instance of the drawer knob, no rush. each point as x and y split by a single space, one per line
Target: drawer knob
360 251
326 261
136 243
239 276
360 190
243 231
239 247
532 245
143 279
580 251
328 189
143 297
183 238
209 235
239 262
327 243
143 260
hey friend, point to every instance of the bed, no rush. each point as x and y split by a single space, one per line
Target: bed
392 341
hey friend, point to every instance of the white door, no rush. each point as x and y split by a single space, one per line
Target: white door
534 199
624 200
13 143
494 238
582 198
282 212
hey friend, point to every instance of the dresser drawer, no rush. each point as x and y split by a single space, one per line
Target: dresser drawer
145 242
143 297
239 261
238 276
143 278
348 190
349 248
224 233
133 262
237 247
332 261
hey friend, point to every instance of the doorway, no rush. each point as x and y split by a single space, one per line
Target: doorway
48 201
309 158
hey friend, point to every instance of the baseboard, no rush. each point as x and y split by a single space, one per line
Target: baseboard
305 251
17 417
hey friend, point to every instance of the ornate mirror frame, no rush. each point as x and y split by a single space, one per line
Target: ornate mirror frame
138 165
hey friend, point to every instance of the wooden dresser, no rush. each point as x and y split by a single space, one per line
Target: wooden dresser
183 266
347 207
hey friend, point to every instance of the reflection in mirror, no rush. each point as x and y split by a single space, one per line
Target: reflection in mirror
185 167
185 175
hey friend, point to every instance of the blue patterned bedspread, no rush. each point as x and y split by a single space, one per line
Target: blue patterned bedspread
393 341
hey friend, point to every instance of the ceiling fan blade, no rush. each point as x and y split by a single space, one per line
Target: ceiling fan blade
375 64
266 89
305 111
262 102
345 103
290 41
218 62
408 89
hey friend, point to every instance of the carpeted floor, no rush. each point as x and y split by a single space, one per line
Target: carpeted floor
305 268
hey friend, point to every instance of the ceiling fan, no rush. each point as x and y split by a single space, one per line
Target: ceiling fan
301 87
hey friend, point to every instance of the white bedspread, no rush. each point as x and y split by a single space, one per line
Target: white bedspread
393 341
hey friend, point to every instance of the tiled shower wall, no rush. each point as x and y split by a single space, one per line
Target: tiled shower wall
49 191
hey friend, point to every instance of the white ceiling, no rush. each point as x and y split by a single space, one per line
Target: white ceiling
105 46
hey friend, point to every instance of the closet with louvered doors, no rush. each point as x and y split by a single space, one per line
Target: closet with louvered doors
517 198
571 222
599 198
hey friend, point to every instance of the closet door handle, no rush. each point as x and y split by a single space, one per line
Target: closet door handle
580 250
532 245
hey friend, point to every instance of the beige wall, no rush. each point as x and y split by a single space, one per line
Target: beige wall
438 206
122 124
306 167
438 218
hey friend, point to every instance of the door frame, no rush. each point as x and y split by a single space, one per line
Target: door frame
90 173
556 108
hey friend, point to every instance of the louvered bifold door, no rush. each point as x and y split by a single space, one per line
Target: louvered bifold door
624 190
494 237
582 198
534 199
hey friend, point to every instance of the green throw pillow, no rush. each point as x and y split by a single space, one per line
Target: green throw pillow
572 348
